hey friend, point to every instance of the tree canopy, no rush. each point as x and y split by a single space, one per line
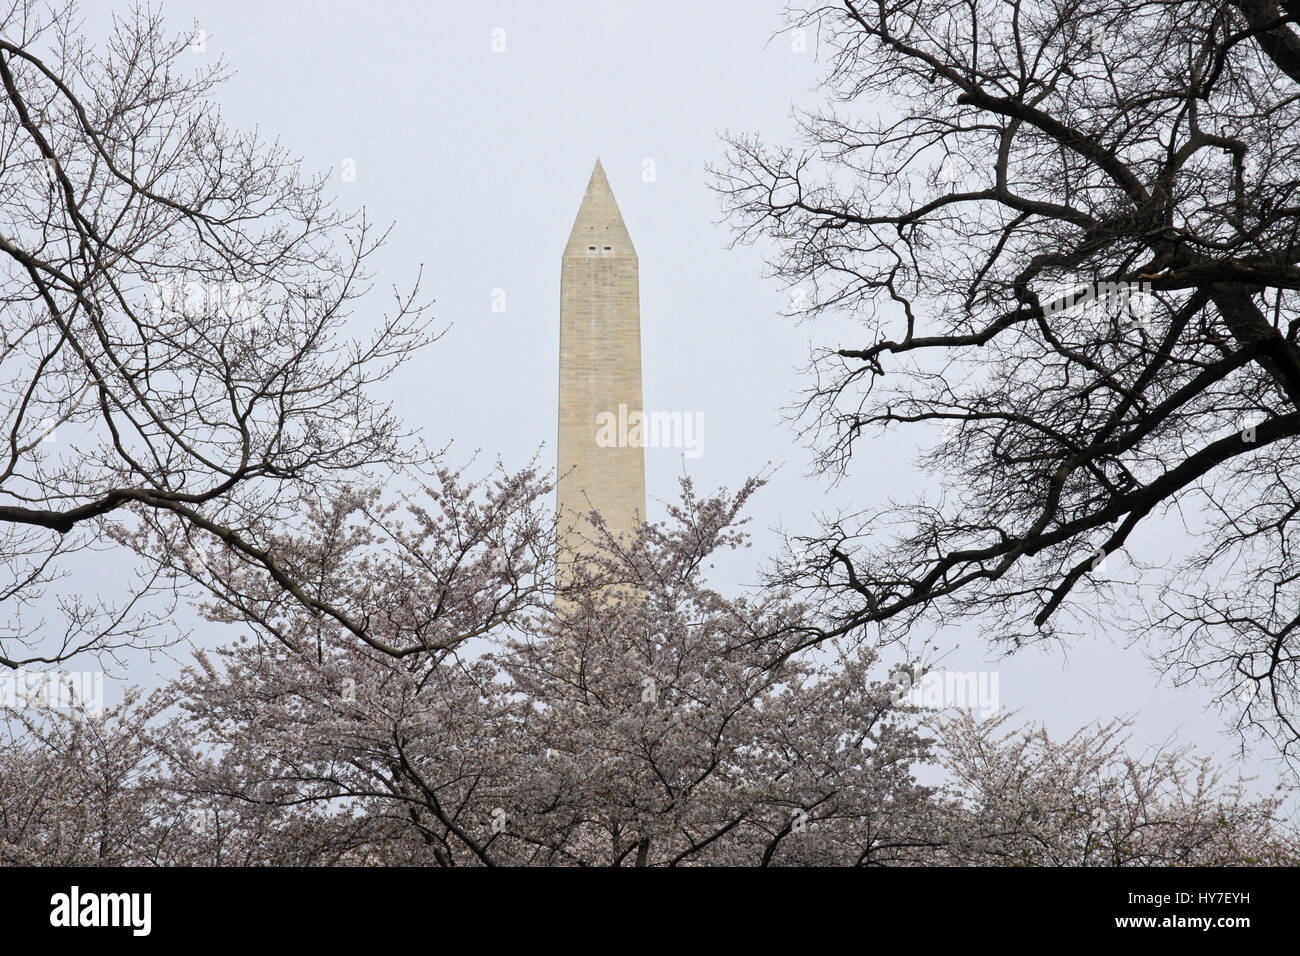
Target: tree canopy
1066 235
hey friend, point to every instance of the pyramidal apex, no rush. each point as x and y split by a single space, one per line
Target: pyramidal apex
598 229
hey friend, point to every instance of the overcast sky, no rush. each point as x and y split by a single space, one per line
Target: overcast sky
480 157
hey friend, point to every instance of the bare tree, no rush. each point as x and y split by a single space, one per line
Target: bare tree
174 296
1067 235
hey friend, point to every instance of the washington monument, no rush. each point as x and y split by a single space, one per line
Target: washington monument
600 373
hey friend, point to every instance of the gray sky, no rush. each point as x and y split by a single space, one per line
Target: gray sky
480 159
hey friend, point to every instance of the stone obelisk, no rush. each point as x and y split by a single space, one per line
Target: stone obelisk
600 376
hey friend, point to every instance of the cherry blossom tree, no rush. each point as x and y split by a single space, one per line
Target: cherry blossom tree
86 788
76 788
639 722
645 719
1020 798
